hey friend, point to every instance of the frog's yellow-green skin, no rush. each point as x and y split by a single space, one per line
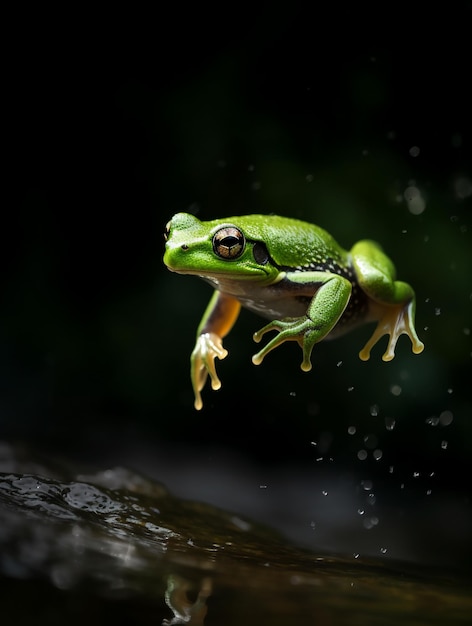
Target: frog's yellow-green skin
292 273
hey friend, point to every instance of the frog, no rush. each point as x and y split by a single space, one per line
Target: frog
292 273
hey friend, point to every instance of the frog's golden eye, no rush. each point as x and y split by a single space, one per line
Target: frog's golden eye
229 242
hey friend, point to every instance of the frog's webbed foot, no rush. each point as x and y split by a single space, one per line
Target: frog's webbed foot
394 321
186 610
208 347
299 329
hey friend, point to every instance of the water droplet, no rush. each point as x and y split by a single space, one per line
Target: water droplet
444 444
432 421
256 185
414 151
367 485
251 168
352 430
450 390
362 455
416 474
428 492
374 410
356 555
371 499
383 550
446 418
395 390
437 311
360 511
313 525
309 178
370 522
371 441
466 331
377 454
339 363
350 388
463 188
390 469
414 200
390 423
325 493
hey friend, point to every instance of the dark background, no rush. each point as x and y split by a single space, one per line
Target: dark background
328 114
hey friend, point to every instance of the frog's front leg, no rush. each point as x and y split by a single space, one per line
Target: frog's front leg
327 306
220 315
392 303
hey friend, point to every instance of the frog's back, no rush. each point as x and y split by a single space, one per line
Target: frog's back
291 242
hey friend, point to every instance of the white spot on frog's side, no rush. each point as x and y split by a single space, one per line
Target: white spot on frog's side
414 200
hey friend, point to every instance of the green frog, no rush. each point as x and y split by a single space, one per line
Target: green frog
292 273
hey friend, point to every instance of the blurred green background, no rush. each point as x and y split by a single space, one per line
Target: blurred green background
357 119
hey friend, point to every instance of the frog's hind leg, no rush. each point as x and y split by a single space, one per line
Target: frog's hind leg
391 302
394 320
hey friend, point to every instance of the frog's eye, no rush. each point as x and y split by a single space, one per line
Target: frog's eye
228 242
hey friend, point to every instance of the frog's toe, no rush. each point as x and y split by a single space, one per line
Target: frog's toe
417 345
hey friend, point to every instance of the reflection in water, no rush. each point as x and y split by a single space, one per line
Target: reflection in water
120 542
185 611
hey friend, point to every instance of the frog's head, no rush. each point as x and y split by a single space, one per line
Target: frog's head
216 249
